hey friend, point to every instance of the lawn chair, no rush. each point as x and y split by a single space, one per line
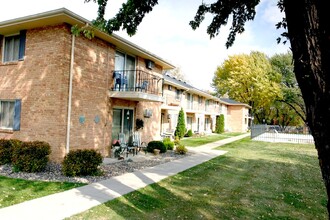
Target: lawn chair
123 144
126 147
136 142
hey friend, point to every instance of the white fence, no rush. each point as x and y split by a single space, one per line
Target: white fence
263 133
286 138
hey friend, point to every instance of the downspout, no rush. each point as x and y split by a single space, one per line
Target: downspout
67 147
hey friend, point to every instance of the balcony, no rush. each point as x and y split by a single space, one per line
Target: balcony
136 85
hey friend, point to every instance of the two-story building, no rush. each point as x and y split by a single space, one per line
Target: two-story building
201 109
75 92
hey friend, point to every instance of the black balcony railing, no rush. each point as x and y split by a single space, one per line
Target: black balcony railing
136 81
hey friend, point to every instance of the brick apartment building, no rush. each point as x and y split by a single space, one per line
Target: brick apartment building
201 109
74 92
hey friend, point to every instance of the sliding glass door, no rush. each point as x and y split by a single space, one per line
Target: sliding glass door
122 123
125 64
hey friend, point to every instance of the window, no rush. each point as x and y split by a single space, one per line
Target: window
200 99
177 94
10 113
207 103
189 101
125 68
14 47
169 87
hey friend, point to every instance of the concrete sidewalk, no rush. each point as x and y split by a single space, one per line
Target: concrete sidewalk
71 202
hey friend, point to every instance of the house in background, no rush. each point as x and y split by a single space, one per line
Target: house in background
201 109
74 92
237 115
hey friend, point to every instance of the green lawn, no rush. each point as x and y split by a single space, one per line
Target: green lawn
254 180
14 191
197 141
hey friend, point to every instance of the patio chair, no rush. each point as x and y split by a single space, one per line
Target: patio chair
127 147
123 143
120 81
136 142
144 86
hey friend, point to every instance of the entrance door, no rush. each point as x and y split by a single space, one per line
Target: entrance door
122 123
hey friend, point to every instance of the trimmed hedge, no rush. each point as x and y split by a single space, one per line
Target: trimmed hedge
6 150
156 145
82 163
30 156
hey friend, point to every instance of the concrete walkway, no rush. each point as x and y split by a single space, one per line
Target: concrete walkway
71 202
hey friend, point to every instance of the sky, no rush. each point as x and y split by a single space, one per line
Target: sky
166 32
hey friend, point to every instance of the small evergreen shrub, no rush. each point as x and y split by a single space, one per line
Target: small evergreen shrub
220 124
168 143
6 150
181 149
181 126
189 133
156 145
82 163
31 156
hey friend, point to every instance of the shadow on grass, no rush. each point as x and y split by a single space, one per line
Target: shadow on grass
244 186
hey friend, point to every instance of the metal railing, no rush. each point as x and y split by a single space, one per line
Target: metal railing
274 133
136 81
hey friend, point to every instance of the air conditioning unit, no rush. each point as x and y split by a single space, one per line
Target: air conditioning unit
147 113
150 64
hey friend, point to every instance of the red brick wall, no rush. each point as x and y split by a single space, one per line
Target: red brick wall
94 62
235 118
41 81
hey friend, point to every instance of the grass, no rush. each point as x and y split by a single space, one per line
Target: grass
14 191
197 141
254 180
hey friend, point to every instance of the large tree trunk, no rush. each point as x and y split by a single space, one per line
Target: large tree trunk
308 23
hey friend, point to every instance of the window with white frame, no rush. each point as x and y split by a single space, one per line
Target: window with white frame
189 101
178 94
10 111
14 47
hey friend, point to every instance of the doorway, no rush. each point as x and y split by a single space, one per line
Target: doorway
122 123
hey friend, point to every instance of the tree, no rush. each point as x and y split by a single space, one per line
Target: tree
308 30
248 79
220 124
181 126
291 94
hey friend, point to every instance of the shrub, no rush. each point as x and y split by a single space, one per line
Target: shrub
181 126
82 163
168 143
189 133
30 156
176 141
156 145
220 124
6 150
181 149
